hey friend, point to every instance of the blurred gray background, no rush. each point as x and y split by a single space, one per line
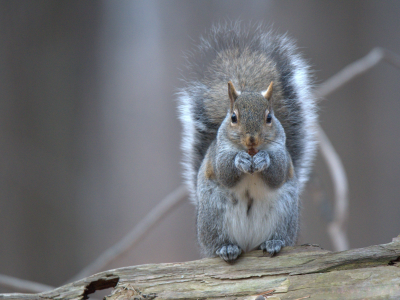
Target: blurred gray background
90 141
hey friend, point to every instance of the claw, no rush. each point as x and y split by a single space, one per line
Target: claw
272 246
229 252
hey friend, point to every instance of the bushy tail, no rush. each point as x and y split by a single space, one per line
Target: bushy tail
250 57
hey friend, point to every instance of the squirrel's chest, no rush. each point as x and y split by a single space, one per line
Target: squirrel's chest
250 217
252 187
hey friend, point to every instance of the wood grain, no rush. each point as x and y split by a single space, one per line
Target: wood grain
299 272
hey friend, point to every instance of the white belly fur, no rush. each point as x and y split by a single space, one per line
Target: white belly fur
249 229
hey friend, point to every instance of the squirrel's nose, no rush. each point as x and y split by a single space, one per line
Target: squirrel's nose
251 140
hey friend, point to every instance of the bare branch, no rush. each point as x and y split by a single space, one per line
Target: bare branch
357 68
295 273
337 228
21 285
137 233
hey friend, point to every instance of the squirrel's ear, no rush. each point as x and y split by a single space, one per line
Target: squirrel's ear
232 93
268 93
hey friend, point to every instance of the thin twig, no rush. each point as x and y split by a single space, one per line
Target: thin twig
22 285
357 68
138 232
337 228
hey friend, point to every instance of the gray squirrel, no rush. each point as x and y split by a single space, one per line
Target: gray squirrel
249 138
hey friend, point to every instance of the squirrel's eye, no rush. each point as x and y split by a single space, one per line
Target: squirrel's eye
269 118
234 118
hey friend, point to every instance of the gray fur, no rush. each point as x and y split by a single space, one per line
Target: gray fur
222 176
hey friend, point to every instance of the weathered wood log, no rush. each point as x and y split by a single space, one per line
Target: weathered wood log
299 272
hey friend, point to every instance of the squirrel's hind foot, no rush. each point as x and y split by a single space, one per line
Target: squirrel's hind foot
272 246
229 252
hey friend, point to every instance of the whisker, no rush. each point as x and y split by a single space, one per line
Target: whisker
273 141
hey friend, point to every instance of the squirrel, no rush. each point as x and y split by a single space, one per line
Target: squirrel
249 138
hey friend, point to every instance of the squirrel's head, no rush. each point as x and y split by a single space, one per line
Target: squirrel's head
252 123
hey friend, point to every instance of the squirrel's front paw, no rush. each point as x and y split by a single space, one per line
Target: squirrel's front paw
261 161
272 246
244 162
229 252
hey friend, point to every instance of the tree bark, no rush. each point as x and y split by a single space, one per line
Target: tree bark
299 272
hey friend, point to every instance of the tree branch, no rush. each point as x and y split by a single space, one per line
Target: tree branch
338 227
23 285
137 233
295 273
357 68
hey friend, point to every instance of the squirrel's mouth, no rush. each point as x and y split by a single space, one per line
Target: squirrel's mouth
252 151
